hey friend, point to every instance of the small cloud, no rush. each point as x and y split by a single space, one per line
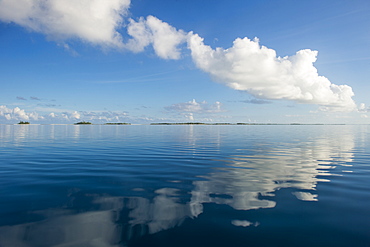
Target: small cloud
21 98
34 98
256 101
190 116
203 110
362 108
48 105
67 48
196 107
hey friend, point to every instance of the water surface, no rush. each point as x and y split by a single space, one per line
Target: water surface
283 185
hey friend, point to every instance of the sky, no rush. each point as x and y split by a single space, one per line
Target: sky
146 61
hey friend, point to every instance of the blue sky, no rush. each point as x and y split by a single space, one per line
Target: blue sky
144 61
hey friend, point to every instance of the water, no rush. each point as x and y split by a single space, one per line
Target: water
65 185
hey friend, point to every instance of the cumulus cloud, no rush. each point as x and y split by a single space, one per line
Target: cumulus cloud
164 38
96 117
106 116
93 21
16 114
192 108
363 108
196 107
246 66
250 67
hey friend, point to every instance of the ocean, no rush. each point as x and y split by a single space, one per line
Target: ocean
184 185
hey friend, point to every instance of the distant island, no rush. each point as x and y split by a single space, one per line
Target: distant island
83 122
21 122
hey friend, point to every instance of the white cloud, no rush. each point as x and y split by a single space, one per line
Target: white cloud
93 21
363 108
95 117
141 36
164 38
190 116
247 66
196 107
16 114
75 115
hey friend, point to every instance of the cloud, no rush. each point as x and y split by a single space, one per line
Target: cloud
21 98
93 21
34 98
106 116
196 107
164 38
202 109
363 108
48 105
256 101
16 114
247 66
95 117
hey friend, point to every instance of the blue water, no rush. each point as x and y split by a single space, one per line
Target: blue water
283 185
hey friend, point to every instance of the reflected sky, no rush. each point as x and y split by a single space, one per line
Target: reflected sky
239 168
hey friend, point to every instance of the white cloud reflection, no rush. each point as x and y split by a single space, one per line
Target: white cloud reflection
245 182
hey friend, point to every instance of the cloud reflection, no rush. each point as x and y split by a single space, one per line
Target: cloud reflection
248 180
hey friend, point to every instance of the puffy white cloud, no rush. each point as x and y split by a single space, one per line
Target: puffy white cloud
94 21
193 110
363 108
195 107
96 117
16 114
75 115
164 38
247 66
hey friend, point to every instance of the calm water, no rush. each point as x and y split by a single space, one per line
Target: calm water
68 185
